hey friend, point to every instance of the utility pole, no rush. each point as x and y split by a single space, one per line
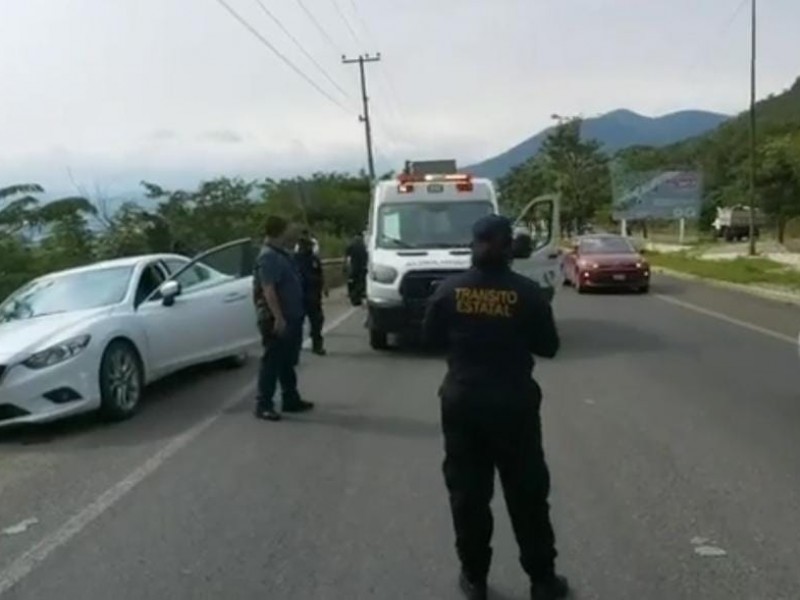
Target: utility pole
364 118
752 232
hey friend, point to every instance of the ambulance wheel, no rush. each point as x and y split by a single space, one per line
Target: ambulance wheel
378 340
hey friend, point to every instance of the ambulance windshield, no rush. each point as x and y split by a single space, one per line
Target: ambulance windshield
421 225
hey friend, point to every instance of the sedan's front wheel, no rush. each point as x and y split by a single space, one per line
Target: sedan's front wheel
121 381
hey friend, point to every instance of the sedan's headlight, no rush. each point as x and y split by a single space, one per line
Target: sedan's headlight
585 264
58 353
383 274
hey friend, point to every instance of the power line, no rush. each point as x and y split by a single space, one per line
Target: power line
277 53
346 22
718 36
385 81
302 48
317 24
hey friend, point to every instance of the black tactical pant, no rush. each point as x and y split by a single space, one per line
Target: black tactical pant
357 285
316 318
498 429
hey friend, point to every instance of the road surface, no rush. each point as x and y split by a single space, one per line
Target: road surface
671 425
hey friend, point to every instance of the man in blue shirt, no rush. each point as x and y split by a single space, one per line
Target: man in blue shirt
278 296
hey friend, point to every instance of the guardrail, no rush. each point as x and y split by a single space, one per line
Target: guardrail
333 271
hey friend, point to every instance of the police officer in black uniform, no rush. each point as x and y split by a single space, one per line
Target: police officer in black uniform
356 259
313 281
491 321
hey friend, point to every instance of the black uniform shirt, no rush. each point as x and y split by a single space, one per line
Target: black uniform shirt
311 275
357 253
491 323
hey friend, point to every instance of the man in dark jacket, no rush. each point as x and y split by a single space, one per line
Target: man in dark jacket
356 259
491 321
313 281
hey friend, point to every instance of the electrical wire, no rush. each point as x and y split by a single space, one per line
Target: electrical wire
319 27
243 22
385 81
302 48
346 22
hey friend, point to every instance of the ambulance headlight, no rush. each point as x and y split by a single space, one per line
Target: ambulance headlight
383 274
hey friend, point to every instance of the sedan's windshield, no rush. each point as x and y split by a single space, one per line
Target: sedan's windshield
429 224
609 245
69 292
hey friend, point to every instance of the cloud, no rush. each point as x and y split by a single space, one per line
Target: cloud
223 136
162 135
163 87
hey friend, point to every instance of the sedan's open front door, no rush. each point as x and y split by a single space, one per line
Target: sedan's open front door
232 322
540 220
204 311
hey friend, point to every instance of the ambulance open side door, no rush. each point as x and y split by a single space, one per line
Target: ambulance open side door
541 220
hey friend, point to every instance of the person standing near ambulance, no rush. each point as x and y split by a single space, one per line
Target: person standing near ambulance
491 321
278 298
312 277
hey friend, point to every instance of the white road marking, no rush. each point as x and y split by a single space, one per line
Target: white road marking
702 547
22 566
709 551
732 320
20 527
333 325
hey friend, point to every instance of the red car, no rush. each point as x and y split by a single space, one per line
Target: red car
606 261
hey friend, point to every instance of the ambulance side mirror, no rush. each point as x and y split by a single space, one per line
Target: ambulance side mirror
522 245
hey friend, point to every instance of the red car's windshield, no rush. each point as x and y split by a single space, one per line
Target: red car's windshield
608 245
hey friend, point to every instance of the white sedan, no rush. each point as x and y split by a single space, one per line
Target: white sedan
91 338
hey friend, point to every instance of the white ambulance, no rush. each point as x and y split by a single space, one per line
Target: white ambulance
419 233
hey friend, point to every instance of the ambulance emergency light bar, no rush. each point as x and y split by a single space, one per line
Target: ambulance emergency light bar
463 182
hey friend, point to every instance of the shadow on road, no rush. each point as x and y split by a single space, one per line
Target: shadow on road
393 426
596 338
180 393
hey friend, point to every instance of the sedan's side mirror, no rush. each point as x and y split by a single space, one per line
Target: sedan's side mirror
522 245
169 290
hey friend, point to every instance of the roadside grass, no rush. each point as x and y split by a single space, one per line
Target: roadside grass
742 270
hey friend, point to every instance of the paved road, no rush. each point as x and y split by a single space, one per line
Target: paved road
671 428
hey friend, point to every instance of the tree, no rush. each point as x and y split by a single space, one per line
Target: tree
17 205
38 237
70 241
778 179
575 169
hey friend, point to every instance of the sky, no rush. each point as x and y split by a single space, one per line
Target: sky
100 94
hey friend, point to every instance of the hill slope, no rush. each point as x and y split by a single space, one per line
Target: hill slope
615 130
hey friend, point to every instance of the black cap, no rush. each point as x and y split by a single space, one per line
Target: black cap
493 228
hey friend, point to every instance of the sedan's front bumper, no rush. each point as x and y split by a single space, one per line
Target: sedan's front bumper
42 395
614 278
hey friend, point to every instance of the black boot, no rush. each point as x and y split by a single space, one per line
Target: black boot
556 588
472 590
297 406
318 347
267 414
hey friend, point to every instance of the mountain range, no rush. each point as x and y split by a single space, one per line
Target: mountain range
616 130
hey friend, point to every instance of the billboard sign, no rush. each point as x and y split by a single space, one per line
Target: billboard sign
656 194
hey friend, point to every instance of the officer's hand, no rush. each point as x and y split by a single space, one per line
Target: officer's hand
280 327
